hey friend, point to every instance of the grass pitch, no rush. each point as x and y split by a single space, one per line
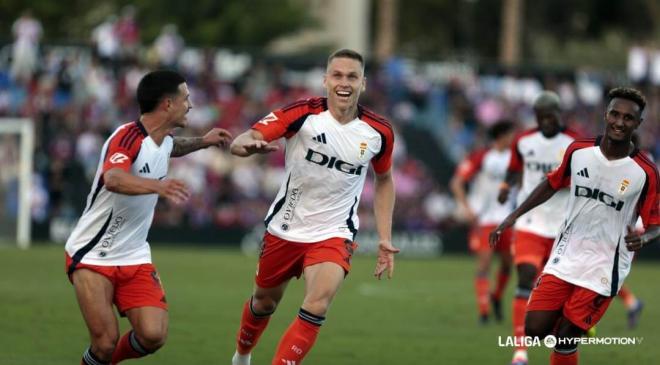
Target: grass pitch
425 315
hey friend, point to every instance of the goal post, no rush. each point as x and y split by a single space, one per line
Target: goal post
24 128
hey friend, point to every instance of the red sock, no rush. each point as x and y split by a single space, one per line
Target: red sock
128 347
564 359
518 319
502 280
252 326
629 299
482 288
298 339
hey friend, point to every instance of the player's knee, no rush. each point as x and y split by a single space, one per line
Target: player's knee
526 275
535 329
318 307
152 338
263 304
103 346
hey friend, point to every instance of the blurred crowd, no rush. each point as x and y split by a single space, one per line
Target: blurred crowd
78 95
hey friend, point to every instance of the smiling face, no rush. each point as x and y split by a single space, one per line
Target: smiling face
344 81
623 116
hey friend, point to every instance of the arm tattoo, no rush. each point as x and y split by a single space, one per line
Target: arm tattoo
186 145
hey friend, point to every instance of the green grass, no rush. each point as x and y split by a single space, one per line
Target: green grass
425 315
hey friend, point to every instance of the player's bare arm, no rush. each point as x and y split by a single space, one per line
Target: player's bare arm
512 179
249 143
540 195
383 210
215 137
636 240
119 181
457 187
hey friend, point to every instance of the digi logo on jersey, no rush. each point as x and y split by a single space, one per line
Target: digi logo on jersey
596 194
544 167
332 163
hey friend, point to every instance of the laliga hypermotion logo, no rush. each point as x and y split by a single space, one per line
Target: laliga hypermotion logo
623 186
363 149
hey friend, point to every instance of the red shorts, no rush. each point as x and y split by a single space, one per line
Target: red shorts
529 248
583 307
478 239
280 260
135 285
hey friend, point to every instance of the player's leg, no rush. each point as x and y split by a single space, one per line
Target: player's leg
529 251
257 311
503 274
633 305
482 284
148 333
279 261
322 281
95 296
566 352
484 253
582 310
140 296
325 265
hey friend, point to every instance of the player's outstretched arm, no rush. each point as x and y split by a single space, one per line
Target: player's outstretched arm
539 195
636 240
249 143
383 209
119 181
215 137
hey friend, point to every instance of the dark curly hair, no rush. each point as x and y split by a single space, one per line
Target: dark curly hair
628 93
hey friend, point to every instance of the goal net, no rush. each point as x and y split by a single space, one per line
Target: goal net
16 152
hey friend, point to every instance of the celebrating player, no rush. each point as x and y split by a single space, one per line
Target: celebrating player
534 153
108 259
486 169
312 223
611 185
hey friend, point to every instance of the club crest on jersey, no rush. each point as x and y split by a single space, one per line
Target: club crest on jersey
623 186
363 149
267 119
118 157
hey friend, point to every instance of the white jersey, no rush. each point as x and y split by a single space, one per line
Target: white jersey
326 167
605 197
113 227
535 155
486 170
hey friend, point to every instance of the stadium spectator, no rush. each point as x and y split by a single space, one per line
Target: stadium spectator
485 170
27 33
168 45
312 224
108 259
571 297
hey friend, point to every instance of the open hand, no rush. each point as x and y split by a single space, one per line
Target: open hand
174 190
385 259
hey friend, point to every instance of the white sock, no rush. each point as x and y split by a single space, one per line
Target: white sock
239 359
520 355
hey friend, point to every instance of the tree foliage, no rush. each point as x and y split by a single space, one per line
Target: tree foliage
250 23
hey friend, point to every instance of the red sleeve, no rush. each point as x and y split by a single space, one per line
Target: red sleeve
561 176
571 133
382 162
123 148
516 162
285 122
650 200
470 165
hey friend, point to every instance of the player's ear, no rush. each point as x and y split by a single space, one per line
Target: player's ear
364 84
